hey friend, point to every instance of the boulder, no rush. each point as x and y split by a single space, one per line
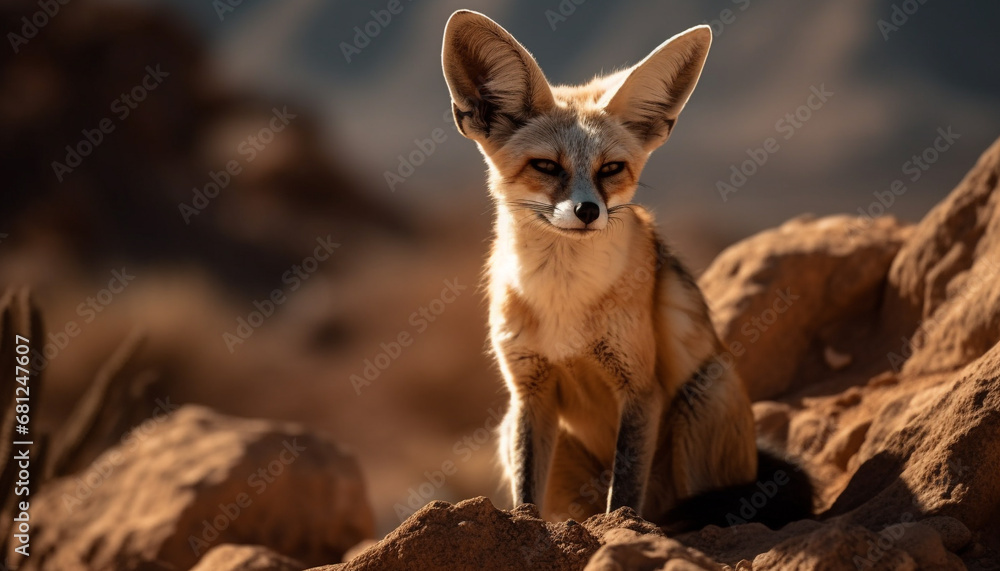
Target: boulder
196 479
774 296
917 432
942 308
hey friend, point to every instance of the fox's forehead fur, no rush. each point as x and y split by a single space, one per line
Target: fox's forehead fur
577 125
577 133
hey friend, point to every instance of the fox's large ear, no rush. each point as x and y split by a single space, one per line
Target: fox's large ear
495 83
655 90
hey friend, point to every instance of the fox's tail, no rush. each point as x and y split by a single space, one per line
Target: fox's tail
782 493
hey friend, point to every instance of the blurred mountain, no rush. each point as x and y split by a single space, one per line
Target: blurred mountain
899 70
117 142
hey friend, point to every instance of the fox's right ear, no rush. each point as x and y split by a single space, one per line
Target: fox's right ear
495 84
656 89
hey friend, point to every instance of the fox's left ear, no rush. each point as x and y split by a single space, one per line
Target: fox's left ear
495 84
655 90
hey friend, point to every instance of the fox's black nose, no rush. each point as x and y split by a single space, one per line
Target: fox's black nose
587 211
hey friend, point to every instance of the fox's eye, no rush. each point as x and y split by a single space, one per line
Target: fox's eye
608 169
547 167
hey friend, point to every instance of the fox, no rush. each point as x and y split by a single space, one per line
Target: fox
621 394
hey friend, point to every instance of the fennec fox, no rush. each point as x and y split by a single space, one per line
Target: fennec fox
619 396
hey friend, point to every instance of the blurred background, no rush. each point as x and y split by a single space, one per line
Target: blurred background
168 165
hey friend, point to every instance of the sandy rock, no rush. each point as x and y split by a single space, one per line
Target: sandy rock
846 444
954 535
836 548
730 545
623 518
625 549
358 548
924 545
198 480
910 426
772 295
771 421
228 557
941 298
932 448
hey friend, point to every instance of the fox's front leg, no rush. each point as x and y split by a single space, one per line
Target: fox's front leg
529 429
640 406
634 450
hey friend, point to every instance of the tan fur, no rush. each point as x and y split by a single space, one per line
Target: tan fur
598 331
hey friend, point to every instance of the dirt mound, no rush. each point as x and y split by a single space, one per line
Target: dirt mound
475 535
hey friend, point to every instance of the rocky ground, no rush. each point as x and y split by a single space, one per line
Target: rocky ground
871 350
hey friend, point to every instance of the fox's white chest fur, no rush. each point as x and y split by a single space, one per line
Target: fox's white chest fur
562 281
